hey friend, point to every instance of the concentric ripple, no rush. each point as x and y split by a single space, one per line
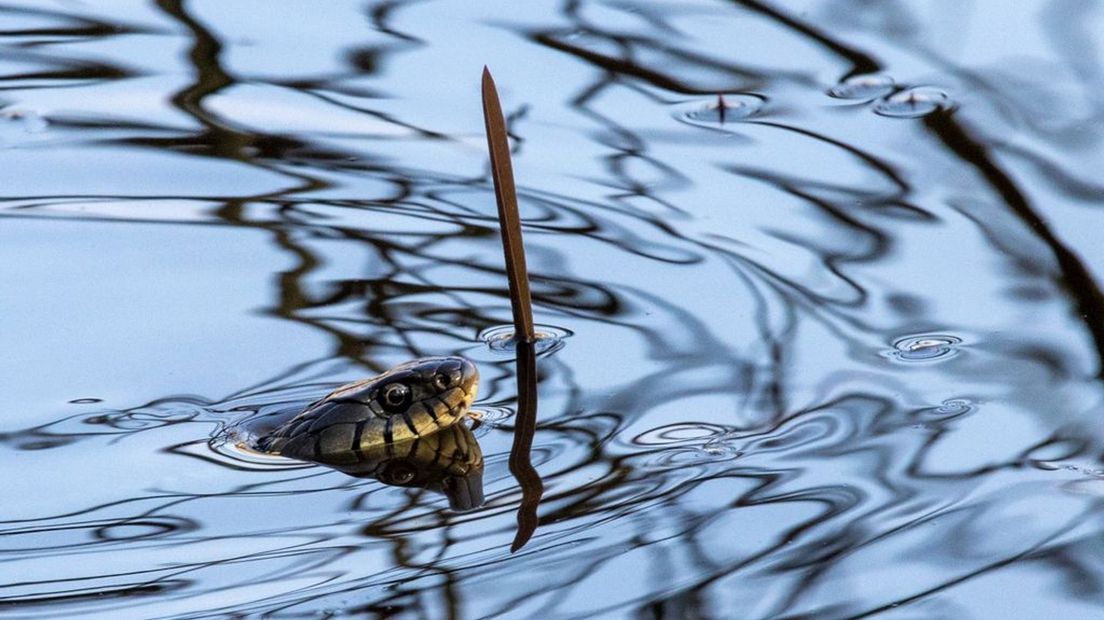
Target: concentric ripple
947 410
681 434
925 348
913 103
864 87
715 113
490 417
501 339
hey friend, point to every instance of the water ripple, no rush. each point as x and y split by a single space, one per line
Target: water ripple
913 103
716 113
947 410
923 348
500 339
863 87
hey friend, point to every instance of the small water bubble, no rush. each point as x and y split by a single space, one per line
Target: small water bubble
85 401
954 407
714 113
714 449
720 449
925 348
500 338
32 121
913 103
863 87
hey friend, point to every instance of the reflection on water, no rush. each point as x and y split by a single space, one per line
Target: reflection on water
449 462
837 331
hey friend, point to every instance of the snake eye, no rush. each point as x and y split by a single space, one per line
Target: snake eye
394 397
398 473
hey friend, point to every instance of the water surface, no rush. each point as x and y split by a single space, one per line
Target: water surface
831 273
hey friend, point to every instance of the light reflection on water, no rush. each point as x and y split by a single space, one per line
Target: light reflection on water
834 354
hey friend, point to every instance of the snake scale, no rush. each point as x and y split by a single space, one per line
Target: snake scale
351 424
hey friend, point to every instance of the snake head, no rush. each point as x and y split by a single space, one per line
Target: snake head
434 382
360 421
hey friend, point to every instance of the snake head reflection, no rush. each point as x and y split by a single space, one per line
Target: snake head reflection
449 461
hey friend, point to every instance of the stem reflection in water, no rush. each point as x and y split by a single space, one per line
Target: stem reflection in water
525 426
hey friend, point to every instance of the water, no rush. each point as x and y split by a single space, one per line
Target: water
835 355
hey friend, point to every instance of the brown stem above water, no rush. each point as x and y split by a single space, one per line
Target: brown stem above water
502 172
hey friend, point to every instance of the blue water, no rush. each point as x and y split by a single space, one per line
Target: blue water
831 273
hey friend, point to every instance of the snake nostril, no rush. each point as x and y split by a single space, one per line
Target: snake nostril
445 380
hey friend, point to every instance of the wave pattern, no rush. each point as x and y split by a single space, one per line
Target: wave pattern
837 333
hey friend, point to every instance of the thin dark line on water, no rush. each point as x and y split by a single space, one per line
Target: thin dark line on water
1074 278
1001 563
860 62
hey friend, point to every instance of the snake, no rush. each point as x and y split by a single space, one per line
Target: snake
372 419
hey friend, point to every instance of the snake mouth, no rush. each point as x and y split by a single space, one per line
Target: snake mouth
469 382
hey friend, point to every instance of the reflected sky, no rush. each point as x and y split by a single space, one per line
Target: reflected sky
835 356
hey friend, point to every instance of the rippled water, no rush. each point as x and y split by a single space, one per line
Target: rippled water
831 274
